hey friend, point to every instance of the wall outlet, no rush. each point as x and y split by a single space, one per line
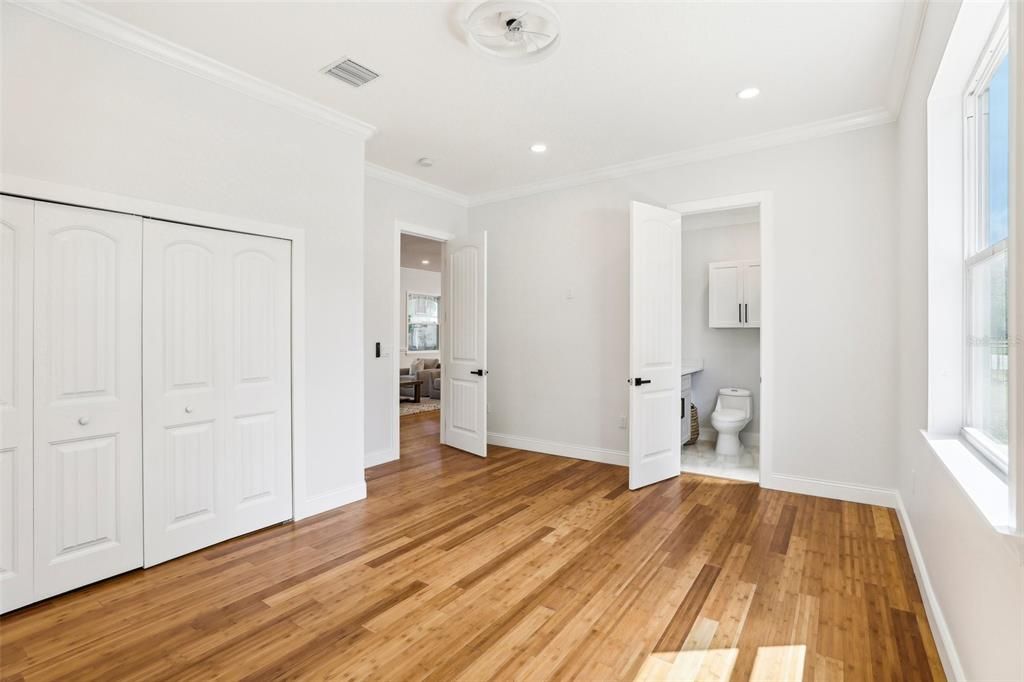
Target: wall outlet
622 423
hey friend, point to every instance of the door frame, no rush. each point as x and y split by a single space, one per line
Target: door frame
402 227
40 190
764 201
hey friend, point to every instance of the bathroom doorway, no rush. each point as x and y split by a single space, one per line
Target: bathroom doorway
723 392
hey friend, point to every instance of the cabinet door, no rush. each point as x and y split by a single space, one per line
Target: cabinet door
217 386
724 295
16 582
88 449
752 295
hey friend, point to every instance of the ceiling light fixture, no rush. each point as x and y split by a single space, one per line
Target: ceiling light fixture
425 262
538 148
748 93
514 30
425 161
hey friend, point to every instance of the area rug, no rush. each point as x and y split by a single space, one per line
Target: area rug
424 405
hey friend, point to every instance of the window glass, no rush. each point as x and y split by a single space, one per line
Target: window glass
422 312
997 173
988 347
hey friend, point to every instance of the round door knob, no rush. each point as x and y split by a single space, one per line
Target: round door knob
83 420
188 410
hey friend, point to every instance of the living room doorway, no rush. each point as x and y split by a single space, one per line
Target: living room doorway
419 325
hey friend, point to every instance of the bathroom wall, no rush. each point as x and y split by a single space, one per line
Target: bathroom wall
731 357
418 282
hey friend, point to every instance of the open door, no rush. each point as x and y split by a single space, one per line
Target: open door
655 339
464 370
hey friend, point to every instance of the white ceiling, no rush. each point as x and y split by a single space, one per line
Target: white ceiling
631 80
415 250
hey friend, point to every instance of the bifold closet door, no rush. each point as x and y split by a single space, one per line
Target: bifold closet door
217 386
16 219
88 458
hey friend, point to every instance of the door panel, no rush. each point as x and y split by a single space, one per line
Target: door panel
16 239
724 285
464 392
88 458
217 431
752 295
655 343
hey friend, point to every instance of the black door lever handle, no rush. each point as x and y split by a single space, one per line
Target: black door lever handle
640 382
479 372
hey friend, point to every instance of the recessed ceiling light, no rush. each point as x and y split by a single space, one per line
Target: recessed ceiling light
425 262
748 93
425 161
538 148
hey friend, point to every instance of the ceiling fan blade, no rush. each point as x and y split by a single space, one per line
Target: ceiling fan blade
535 33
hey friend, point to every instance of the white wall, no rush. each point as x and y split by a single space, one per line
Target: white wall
558 365
417 282
976 576
121 123
731 357
387 203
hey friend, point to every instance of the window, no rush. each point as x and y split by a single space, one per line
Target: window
421 316
986 228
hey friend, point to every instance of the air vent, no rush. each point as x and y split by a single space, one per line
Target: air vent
351 72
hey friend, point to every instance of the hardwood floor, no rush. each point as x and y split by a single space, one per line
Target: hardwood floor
519 566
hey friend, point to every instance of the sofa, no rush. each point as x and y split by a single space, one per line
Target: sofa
426 370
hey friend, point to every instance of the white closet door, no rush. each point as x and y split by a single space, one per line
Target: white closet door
16 218
88 459
217 386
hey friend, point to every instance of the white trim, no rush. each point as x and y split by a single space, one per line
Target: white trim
113 30
550 447
381 456
777 138
415 184
936 620
765 202
332 500
49 191
835 490
423 231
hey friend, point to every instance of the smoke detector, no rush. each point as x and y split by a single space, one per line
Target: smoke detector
514 30
353 73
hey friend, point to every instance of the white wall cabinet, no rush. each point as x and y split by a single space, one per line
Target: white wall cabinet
734 294
216 388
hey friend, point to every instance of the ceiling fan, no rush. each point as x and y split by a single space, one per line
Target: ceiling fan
519 30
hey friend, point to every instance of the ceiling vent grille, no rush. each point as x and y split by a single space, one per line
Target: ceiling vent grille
351 72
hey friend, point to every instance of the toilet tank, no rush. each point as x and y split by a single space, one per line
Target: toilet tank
736 399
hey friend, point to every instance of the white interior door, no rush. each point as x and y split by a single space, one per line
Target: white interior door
725 299
655 340
217 386
752 295
88 446
16 583
464 303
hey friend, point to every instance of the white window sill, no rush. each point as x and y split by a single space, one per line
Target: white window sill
986 489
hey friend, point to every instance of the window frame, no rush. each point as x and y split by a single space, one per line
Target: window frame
975 228
408 336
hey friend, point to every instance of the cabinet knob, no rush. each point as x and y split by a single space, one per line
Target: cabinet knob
83 421
188 410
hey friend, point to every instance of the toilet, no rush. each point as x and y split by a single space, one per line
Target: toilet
733 411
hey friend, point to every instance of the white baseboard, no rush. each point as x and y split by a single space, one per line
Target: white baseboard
937 622
318 504
549 447
372 459
848 492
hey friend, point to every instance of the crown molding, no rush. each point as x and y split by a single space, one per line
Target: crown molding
777 138
911 25
113 30
415 184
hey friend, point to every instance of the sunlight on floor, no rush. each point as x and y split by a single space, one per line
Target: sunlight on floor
771 664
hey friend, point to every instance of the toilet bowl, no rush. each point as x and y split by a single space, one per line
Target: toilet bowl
733 411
